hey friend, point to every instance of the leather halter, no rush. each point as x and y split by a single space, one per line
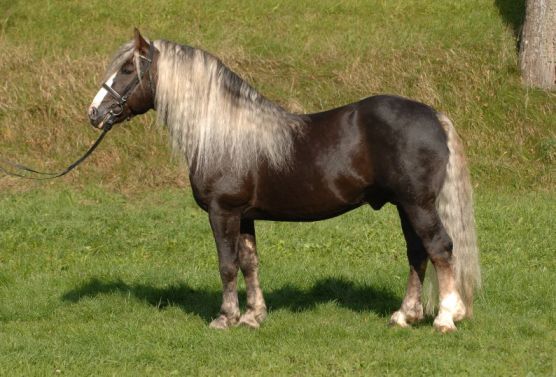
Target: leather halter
118 108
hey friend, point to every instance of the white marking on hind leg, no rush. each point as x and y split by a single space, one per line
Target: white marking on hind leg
453 304
451 309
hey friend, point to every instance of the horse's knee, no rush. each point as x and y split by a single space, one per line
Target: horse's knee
228 271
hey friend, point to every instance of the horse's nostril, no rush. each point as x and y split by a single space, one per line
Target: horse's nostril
93 112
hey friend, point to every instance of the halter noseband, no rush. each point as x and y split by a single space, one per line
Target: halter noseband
117 109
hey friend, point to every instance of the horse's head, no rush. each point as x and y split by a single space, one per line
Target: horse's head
130 87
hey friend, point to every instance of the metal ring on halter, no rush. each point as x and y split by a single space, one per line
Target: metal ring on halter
117 109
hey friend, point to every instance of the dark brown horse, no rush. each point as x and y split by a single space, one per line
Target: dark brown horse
249 159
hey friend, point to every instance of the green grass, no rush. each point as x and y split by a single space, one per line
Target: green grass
112 270
459 56
96 284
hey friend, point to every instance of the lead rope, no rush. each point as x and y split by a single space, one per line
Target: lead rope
48 175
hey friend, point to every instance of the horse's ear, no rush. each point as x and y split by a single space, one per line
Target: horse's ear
140 43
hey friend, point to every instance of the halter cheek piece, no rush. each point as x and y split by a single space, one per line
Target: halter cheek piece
118 108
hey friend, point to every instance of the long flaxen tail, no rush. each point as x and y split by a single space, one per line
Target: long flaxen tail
455 208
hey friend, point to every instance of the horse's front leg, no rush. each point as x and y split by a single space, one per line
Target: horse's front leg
249 263
226 227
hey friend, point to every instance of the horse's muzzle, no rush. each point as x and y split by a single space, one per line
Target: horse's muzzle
94 116
98 120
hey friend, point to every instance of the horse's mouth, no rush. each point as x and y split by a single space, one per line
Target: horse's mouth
101 123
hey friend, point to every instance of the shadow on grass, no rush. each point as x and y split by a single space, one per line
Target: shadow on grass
206 303
513 13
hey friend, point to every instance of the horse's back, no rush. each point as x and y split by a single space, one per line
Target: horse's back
394 119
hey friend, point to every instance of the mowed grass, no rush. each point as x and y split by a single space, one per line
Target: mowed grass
96 284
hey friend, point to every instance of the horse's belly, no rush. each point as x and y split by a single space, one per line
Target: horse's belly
306 200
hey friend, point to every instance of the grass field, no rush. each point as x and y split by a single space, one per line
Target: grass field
112 270
99 285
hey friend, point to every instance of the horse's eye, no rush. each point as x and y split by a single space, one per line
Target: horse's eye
127 69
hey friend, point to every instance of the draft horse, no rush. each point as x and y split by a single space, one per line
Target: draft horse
250 159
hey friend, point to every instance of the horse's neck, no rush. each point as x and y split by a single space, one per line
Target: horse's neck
217 121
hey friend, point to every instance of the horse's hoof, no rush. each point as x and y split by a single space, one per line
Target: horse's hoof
260 314
460 314
220 323
416 314
444 324
248 320
398 319
253 318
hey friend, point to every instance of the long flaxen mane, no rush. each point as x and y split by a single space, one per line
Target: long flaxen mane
216 120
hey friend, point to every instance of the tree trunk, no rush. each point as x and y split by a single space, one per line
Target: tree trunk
537 55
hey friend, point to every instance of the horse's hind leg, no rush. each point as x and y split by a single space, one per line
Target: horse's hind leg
438 245
249 264
411 309
226 227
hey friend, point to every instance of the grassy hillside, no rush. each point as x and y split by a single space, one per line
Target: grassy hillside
459 56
